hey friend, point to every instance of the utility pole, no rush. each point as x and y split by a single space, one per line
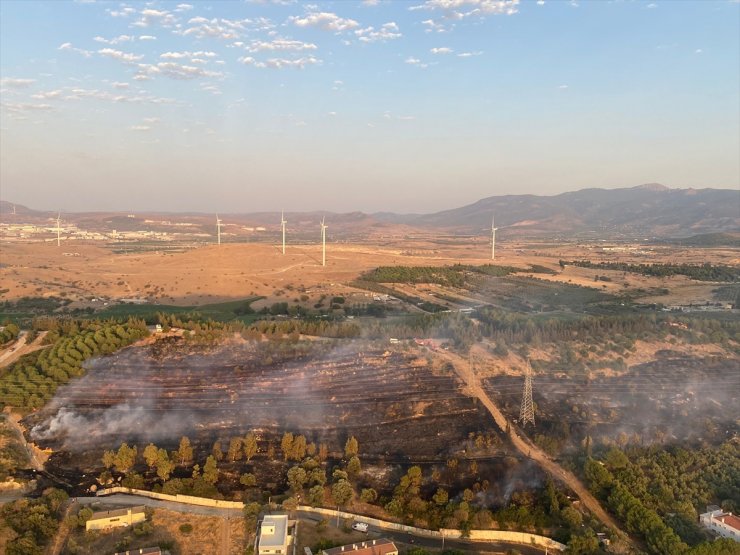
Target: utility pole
323 242
493 239
282 225
526 414
218 228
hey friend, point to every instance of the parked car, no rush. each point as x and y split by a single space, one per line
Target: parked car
360 526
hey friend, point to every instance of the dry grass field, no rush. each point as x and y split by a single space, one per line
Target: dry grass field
232 271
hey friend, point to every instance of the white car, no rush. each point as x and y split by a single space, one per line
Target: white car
360 526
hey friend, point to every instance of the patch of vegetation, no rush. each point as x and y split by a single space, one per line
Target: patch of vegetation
223 312
35 521
704 272
657 491
33 380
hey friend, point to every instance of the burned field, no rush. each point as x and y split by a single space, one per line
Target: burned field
672 399
391 402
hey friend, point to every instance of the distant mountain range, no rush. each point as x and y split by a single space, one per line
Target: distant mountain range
645 211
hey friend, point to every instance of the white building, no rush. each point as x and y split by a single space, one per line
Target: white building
274 536
724 524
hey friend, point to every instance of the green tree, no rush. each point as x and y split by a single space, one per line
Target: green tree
286 444
125 458
297 478
185 451
164 465
441 497
351 448
354 467
151 454
235 449
342 492
316 496
250 446
369 495
248 480
210 470
572 518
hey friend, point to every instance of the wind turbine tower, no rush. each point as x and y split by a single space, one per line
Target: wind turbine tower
323 242
526 414
283 221
59 229
218 228
493 239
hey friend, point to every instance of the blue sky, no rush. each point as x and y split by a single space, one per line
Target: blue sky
416 106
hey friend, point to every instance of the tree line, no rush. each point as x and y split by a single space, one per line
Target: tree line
703 272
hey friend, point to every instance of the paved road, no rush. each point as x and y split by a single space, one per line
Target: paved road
132 500
436 543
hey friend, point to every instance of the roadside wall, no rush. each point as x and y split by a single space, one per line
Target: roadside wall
475 535
187 499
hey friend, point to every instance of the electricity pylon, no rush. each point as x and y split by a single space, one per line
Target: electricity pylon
526 414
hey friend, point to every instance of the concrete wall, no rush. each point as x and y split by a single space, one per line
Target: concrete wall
475 535
187 499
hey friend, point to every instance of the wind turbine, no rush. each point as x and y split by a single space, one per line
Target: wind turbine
283 221
493 239
323 242
59 229
218 228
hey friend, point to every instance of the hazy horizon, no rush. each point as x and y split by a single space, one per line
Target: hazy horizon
361 106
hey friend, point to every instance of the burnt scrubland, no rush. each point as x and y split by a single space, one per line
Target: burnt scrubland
328 411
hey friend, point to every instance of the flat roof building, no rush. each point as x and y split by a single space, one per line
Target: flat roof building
380 546
113 519
274 536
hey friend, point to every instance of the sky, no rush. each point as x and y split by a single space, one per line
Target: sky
403 106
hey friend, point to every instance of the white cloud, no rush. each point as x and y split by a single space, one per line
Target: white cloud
325 20
370 3
47 95
151 121
470 54
119 85
68 46
338 85
16 82
433 26
415 62
140 128
540 2
150 17
184 7
280 45
651 6
562 87
117 40
441 50
123 12
26 107
76 93
387 31
147 37
185 54
219 28
125 57
455 10
280 63
173 70
211 88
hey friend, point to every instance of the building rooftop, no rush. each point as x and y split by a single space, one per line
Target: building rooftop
117 512
380 546
731 520
273 531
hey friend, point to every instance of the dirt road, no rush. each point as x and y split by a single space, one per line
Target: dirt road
523 445
20 348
